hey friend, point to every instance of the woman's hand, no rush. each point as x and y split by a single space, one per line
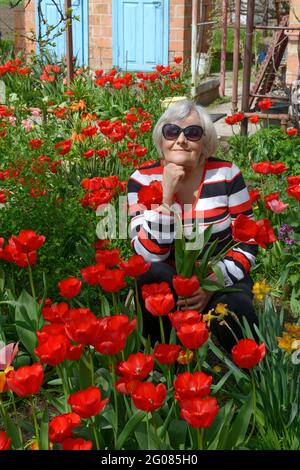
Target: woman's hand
197 301
172 176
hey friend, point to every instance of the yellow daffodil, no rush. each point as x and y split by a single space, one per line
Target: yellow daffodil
260 290
185 357
221 309
217 369
286 342
293 329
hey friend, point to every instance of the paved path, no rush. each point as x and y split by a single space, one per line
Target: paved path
224 130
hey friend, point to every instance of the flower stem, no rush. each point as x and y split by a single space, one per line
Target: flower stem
187 352
17 418
31 280
253 405
115 399
115 303
92 367
162 331
198 362
95 435
60 373
200 432
36 426
139 310
148 432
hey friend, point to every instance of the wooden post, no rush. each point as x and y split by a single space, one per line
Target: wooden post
223 48
236 52
69 42
247 64
194 46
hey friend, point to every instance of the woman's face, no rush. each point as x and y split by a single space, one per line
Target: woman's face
182 151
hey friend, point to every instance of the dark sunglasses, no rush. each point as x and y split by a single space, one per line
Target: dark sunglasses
172 132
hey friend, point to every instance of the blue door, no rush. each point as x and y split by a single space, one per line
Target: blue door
140 34
50 11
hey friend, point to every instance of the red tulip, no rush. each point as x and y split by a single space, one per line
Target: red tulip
74 352
231 120
278 168
193 336
293 180
247 353
159 305
294 191
189 386
126 386
25 381
263 168
82 328
265 104
135 266
91 273
56 313
13 255
166 353
185 287
50 330
87 403
53 351
113 333
244 229
265 233
153 289
180 318
151 194
28 241
177 60
199 412
112 280
69 287
138 366
254 195
60 427
148 397
254 119
108 257
292 131
76 444
5 441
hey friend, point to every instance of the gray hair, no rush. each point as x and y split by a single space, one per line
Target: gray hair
180 110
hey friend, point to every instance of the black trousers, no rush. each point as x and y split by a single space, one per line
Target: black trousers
238 302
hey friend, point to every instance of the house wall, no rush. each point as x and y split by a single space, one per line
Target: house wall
24 24
100 30
100 34
292 69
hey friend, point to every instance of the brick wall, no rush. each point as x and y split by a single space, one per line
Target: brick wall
100 34
292 56
180 29
24 25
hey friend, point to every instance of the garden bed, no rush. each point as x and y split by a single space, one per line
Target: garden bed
91 380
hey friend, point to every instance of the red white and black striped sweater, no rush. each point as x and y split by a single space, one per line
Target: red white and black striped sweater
222 196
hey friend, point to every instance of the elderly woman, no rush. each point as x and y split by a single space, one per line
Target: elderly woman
213 190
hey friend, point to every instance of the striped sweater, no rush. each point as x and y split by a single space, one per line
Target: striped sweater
222 196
